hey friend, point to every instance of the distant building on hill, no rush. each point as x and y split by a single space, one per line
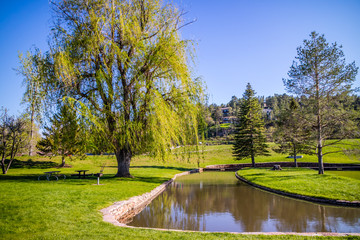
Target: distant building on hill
227 116
267 110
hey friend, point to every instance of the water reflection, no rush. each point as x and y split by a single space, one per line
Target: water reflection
235 206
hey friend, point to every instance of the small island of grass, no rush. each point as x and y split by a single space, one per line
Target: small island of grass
305 182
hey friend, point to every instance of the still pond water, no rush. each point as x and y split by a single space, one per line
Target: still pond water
217 201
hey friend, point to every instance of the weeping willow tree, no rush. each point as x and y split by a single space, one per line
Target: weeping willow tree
124 66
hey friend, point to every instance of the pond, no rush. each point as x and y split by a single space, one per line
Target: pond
218 202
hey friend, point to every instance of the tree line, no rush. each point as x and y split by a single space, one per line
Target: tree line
322 83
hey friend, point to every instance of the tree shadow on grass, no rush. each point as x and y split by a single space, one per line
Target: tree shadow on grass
32 164
158 167
157 180
20 178
74 180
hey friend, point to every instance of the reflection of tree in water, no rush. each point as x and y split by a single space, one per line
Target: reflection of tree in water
184 206
300 216
166 211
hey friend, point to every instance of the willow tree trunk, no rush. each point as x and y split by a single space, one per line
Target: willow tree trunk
123 158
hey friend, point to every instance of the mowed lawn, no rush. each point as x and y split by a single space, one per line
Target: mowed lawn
306 182
69 209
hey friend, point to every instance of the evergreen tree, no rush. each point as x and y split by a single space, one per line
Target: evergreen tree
292 132
63 137
250 139
321 77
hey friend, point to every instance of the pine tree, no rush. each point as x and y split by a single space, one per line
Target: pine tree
63 137
250 139
321 77
293 134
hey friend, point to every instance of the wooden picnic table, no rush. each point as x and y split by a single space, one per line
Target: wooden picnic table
83 175
50 174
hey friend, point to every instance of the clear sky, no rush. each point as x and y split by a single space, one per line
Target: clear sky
238 41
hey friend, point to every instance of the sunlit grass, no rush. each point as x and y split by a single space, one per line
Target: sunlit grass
350 174
305 182
69 209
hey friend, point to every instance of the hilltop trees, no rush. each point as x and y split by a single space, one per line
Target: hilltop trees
250 140
320 76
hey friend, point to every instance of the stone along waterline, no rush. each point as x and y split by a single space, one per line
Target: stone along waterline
216 201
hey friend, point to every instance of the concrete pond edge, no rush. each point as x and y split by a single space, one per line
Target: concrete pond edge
121 213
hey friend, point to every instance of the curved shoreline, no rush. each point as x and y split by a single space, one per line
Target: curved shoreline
342 203
120 212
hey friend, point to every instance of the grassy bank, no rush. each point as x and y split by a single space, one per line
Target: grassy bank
222 154
69 209
306 182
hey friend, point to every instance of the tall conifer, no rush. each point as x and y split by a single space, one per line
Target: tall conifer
250 139
321 78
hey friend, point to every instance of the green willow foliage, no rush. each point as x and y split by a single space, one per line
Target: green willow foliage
123 65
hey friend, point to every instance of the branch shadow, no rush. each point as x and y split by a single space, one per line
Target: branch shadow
74 180
158 167
29 164
20 178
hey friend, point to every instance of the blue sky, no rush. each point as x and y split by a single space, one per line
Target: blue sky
238 41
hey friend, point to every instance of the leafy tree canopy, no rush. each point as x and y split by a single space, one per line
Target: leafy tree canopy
124 66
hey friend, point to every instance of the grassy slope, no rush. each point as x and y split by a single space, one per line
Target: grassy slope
306 182
222 155
69 209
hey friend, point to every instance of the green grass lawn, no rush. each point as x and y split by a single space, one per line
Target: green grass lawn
305 182
69 209
350 174
222 154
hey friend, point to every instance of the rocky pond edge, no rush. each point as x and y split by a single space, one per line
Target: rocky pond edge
121 213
